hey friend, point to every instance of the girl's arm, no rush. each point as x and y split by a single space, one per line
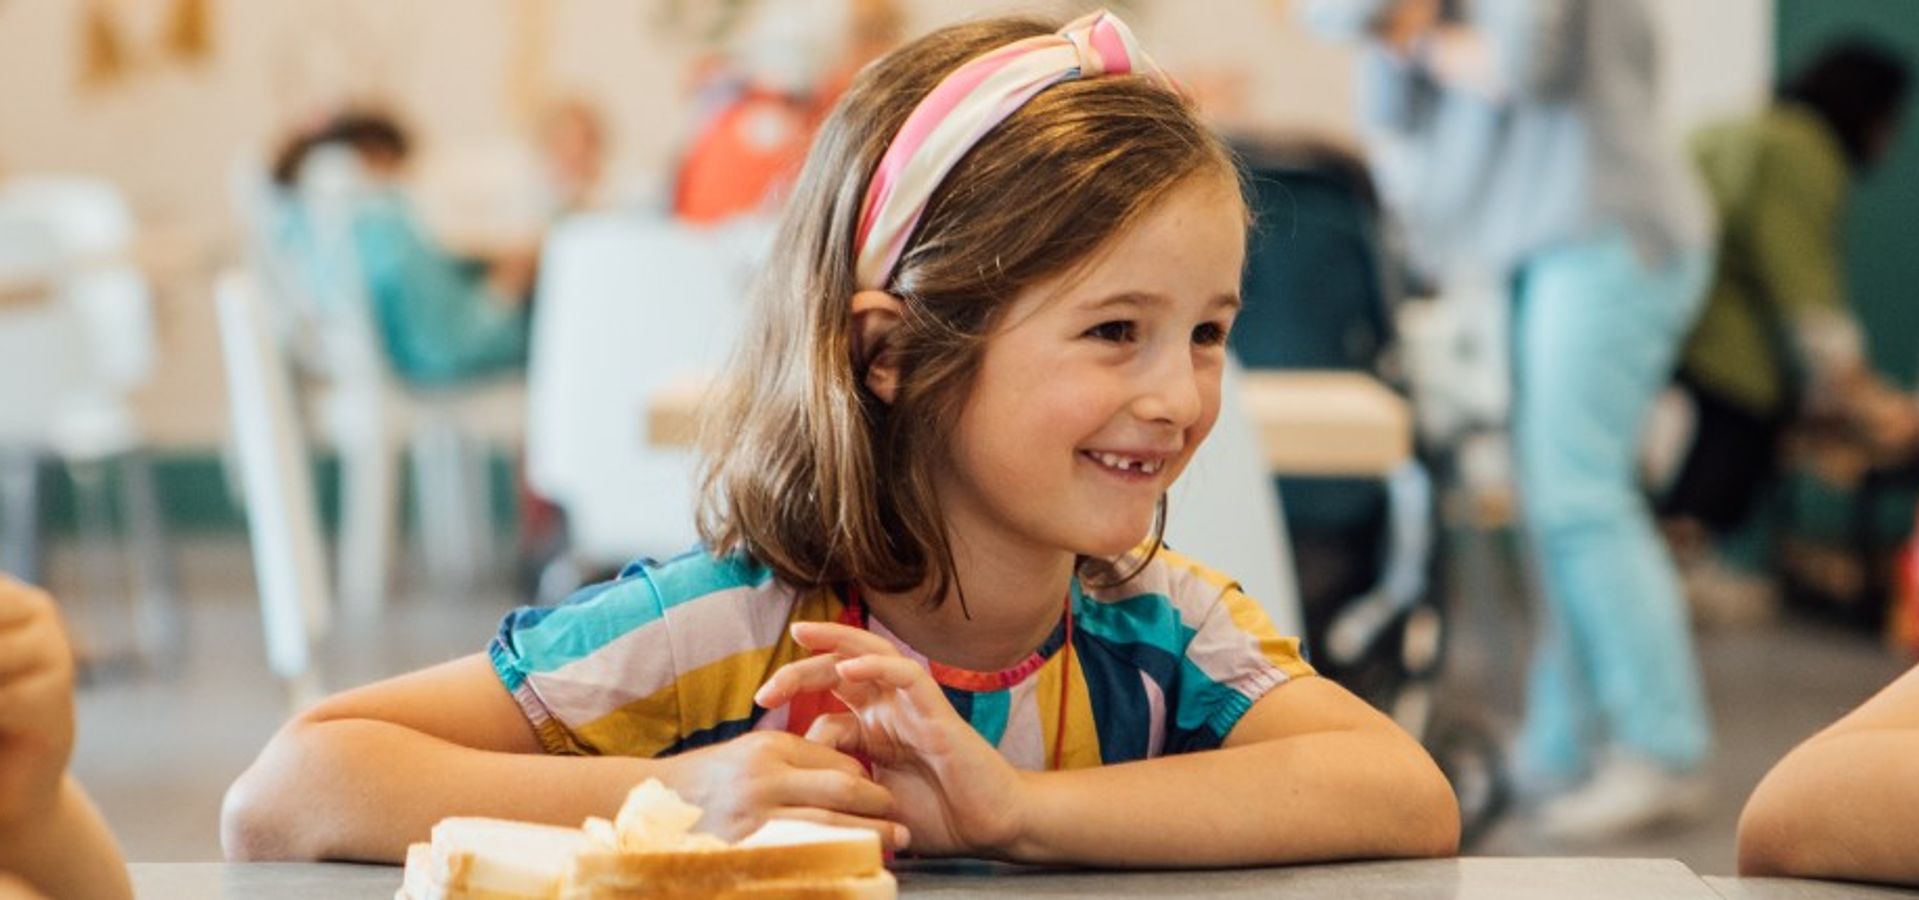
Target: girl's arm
371 770
1845 804
66 851
51 837
368 771
1311 773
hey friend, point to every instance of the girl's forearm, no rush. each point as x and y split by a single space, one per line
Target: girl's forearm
360 789
1315 797
69 853
1844 805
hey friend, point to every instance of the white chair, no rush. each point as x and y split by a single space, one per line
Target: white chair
87 345
1225 513
282 525
320 308
628 305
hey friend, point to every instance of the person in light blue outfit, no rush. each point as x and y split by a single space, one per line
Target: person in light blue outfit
443 319
1517 141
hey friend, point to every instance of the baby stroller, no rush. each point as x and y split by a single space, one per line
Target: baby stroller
1318 296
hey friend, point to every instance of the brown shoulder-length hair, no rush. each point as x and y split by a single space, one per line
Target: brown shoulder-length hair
804 469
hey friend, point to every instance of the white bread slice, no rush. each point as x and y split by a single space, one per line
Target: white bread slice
782 850
879 885
491 859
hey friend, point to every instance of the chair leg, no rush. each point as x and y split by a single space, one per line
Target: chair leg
368 523
442 501
159 624
102 640
20 554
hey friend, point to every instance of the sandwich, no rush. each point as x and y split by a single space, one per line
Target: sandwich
649 850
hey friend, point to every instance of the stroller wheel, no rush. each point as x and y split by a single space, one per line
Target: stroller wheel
1470 758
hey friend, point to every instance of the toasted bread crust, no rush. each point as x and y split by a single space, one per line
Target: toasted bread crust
875 886
721 868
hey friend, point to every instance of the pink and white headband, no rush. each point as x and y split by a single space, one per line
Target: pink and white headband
966 105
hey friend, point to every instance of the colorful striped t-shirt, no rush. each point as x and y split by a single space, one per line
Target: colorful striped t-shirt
666 658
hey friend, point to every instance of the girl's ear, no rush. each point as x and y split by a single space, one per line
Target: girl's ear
877 317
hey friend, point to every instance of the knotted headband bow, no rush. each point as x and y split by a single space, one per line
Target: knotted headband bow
962 108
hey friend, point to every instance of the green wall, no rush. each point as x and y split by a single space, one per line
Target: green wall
1882 226
193 494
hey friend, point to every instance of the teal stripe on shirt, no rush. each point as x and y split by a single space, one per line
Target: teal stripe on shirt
577 628
990 710
1197 701
1149 619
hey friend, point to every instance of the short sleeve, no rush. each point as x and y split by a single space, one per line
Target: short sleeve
1233 657
595 675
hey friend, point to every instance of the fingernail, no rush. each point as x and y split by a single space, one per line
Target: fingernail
901 837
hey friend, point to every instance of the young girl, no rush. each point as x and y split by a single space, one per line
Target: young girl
991 337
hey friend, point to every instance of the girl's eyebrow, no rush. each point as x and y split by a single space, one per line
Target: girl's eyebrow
1229 301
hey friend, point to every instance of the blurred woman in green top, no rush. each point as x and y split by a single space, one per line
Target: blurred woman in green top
1778 338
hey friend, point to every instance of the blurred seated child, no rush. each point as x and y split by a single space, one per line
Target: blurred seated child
52 840
444 319
1844 804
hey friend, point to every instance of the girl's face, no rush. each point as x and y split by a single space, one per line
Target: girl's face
1097 386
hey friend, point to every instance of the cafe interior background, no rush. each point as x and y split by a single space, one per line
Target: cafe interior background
224 558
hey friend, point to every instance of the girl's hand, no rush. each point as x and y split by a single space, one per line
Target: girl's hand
955 792
36 703
764 775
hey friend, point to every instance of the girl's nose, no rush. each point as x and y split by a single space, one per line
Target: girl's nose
1170 391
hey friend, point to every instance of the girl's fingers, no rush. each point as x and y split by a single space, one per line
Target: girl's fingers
830 789
845 640
894 837
840 731
900 674
795 678
798 753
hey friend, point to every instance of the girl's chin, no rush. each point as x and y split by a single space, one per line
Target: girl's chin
1116 546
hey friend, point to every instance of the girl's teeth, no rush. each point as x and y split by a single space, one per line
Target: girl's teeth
1128 465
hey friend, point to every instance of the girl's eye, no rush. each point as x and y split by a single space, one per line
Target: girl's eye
1117 332
1210 334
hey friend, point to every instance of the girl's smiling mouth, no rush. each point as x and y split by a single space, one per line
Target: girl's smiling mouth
1127 465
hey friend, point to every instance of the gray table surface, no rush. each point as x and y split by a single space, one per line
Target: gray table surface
1794 889
1489 878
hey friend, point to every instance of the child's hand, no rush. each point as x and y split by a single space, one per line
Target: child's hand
763 775
955 792
36 703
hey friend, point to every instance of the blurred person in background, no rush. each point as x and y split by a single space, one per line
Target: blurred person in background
1779 342
1518 142
53 842
758 104
443 319
573 145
